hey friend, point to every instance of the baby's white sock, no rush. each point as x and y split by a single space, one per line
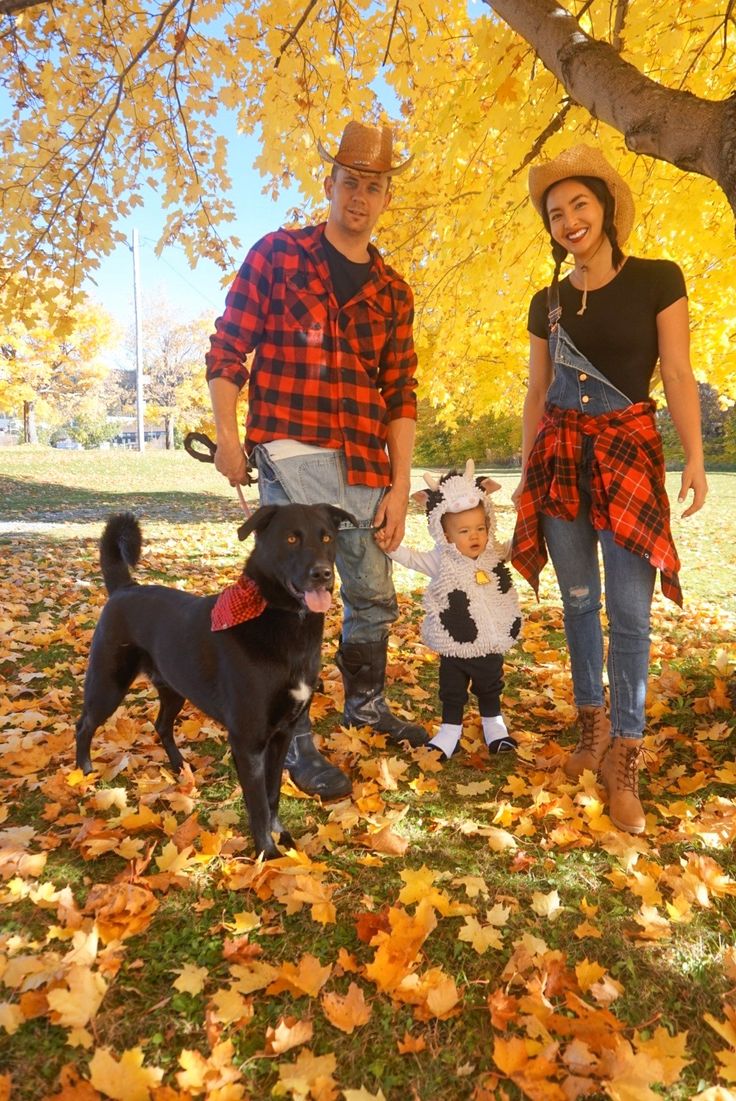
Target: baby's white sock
447 738
494 728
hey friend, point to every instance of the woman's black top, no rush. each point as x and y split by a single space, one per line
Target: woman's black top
618 331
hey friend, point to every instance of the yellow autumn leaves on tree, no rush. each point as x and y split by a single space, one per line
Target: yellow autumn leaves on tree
104 100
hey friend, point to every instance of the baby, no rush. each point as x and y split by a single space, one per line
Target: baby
472 610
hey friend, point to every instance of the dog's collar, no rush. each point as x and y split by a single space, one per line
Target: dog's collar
237 603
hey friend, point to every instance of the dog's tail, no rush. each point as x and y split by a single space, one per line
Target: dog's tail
120 550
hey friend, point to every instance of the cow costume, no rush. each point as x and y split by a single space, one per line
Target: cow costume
472 610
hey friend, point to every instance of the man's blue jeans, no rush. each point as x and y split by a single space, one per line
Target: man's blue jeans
366 580
629 584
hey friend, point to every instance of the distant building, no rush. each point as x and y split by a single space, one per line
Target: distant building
10 430
127 434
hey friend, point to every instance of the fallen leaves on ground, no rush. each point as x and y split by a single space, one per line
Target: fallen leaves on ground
280 978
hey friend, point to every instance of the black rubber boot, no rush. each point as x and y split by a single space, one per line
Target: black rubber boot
309 770
363 668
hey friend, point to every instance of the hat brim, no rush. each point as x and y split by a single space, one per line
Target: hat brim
581 160
391 171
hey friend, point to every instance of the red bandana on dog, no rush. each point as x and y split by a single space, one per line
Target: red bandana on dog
237 603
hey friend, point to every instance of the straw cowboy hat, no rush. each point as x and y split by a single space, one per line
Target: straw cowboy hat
365 149
581 160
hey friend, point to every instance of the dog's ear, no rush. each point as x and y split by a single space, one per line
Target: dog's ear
339 516
260 519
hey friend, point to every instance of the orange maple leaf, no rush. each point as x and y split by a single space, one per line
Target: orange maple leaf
310 1076
307 977
347 1012
120 909
411 1044
288 1033
397 951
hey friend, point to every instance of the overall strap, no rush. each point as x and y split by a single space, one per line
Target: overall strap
554 309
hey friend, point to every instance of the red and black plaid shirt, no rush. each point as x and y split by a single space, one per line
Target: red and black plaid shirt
324 374
627 488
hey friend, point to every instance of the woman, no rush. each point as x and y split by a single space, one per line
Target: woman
592 456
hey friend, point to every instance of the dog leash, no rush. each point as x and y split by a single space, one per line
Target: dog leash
208 456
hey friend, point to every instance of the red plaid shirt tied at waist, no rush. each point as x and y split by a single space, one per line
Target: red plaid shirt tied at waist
627 488
324 374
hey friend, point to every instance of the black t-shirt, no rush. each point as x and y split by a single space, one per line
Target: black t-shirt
347 275
618 331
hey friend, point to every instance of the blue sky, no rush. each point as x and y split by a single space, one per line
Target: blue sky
195 291
198 291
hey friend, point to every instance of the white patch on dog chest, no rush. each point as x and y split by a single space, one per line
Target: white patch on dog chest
302 692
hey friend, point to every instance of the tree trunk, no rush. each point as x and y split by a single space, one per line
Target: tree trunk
13 7
30 434
696 135
169 430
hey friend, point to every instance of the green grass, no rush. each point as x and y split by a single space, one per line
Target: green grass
50 595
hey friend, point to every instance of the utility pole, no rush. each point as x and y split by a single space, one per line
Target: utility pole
140 403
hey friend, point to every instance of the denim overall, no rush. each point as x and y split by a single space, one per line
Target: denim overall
366 580
573 550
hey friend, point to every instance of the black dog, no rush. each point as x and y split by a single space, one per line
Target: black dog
255 678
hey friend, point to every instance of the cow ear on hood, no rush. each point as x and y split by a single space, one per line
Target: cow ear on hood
488 485
421 497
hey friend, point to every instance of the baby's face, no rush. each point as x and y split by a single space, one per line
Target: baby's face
468 530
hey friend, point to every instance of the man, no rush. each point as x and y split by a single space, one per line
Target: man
331 411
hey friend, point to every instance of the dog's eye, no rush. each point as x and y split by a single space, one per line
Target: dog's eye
292 539
326 538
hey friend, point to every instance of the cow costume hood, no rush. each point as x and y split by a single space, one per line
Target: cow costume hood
455 492
471 606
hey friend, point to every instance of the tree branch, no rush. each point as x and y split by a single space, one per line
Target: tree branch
89 163
728 17
617 39
695 134
338 17
12 7
391 32
292 34
551 128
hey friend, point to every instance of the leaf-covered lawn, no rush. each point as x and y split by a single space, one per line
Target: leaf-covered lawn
478 930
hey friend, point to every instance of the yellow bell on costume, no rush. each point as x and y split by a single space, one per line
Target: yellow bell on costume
482 577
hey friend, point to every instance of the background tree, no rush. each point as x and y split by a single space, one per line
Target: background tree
173 353
52 375
719 431
106 98
491 439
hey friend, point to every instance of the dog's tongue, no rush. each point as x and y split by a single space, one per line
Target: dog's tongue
318 600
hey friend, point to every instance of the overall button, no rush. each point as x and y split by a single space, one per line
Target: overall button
583 378
585 399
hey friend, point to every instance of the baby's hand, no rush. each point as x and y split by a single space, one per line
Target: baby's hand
381 538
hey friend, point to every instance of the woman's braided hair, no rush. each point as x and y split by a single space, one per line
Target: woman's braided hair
604 196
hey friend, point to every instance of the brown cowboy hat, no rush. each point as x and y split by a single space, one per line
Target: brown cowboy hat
365 149
581 160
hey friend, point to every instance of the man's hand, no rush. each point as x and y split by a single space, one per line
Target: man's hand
231 463
390 519
229 458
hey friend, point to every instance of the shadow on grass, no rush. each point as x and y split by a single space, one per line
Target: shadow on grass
33 502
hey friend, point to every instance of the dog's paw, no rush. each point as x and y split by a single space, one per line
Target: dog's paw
270 852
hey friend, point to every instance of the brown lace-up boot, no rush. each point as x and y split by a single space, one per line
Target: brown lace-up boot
595 737
619 775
